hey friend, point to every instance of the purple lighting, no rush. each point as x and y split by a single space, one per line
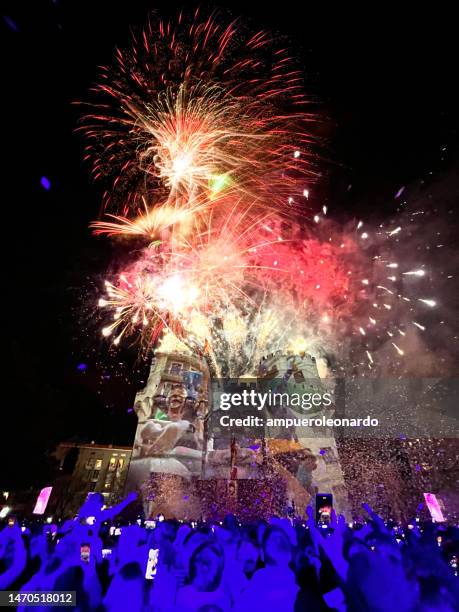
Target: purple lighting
45 183
10 23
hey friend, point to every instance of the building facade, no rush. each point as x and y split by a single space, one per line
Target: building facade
90 468
309 458
169 445
184 467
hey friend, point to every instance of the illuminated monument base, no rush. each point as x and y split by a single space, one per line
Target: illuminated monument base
184 469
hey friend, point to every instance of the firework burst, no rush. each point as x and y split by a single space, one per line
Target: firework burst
200 132
178 289
199 106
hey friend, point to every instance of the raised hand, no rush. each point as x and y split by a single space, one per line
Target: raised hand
131 496
377 520
332 545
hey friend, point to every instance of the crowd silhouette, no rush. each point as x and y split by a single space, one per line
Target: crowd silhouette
284 564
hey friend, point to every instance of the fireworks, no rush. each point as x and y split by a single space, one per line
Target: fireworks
185 288
148 224
196 108
238 291
200 131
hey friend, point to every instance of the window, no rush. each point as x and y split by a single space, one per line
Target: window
90 462
175 368
119 469
112 464
109 481
299 377
166 389
328 454
98 464
92 486
95 475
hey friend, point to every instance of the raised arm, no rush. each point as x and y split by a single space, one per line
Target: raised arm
109 513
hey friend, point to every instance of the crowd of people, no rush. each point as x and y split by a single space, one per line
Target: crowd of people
284 564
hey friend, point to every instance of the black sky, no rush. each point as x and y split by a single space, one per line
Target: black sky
383 83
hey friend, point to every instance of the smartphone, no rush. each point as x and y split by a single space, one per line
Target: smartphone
152 563
106 552
324 507
85 553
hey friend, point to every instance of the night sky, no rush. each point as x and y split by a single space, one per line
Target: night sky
382 85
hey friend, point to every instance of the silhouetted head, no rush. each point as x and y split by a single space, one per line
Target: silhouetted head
247 555
206 567
277 549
